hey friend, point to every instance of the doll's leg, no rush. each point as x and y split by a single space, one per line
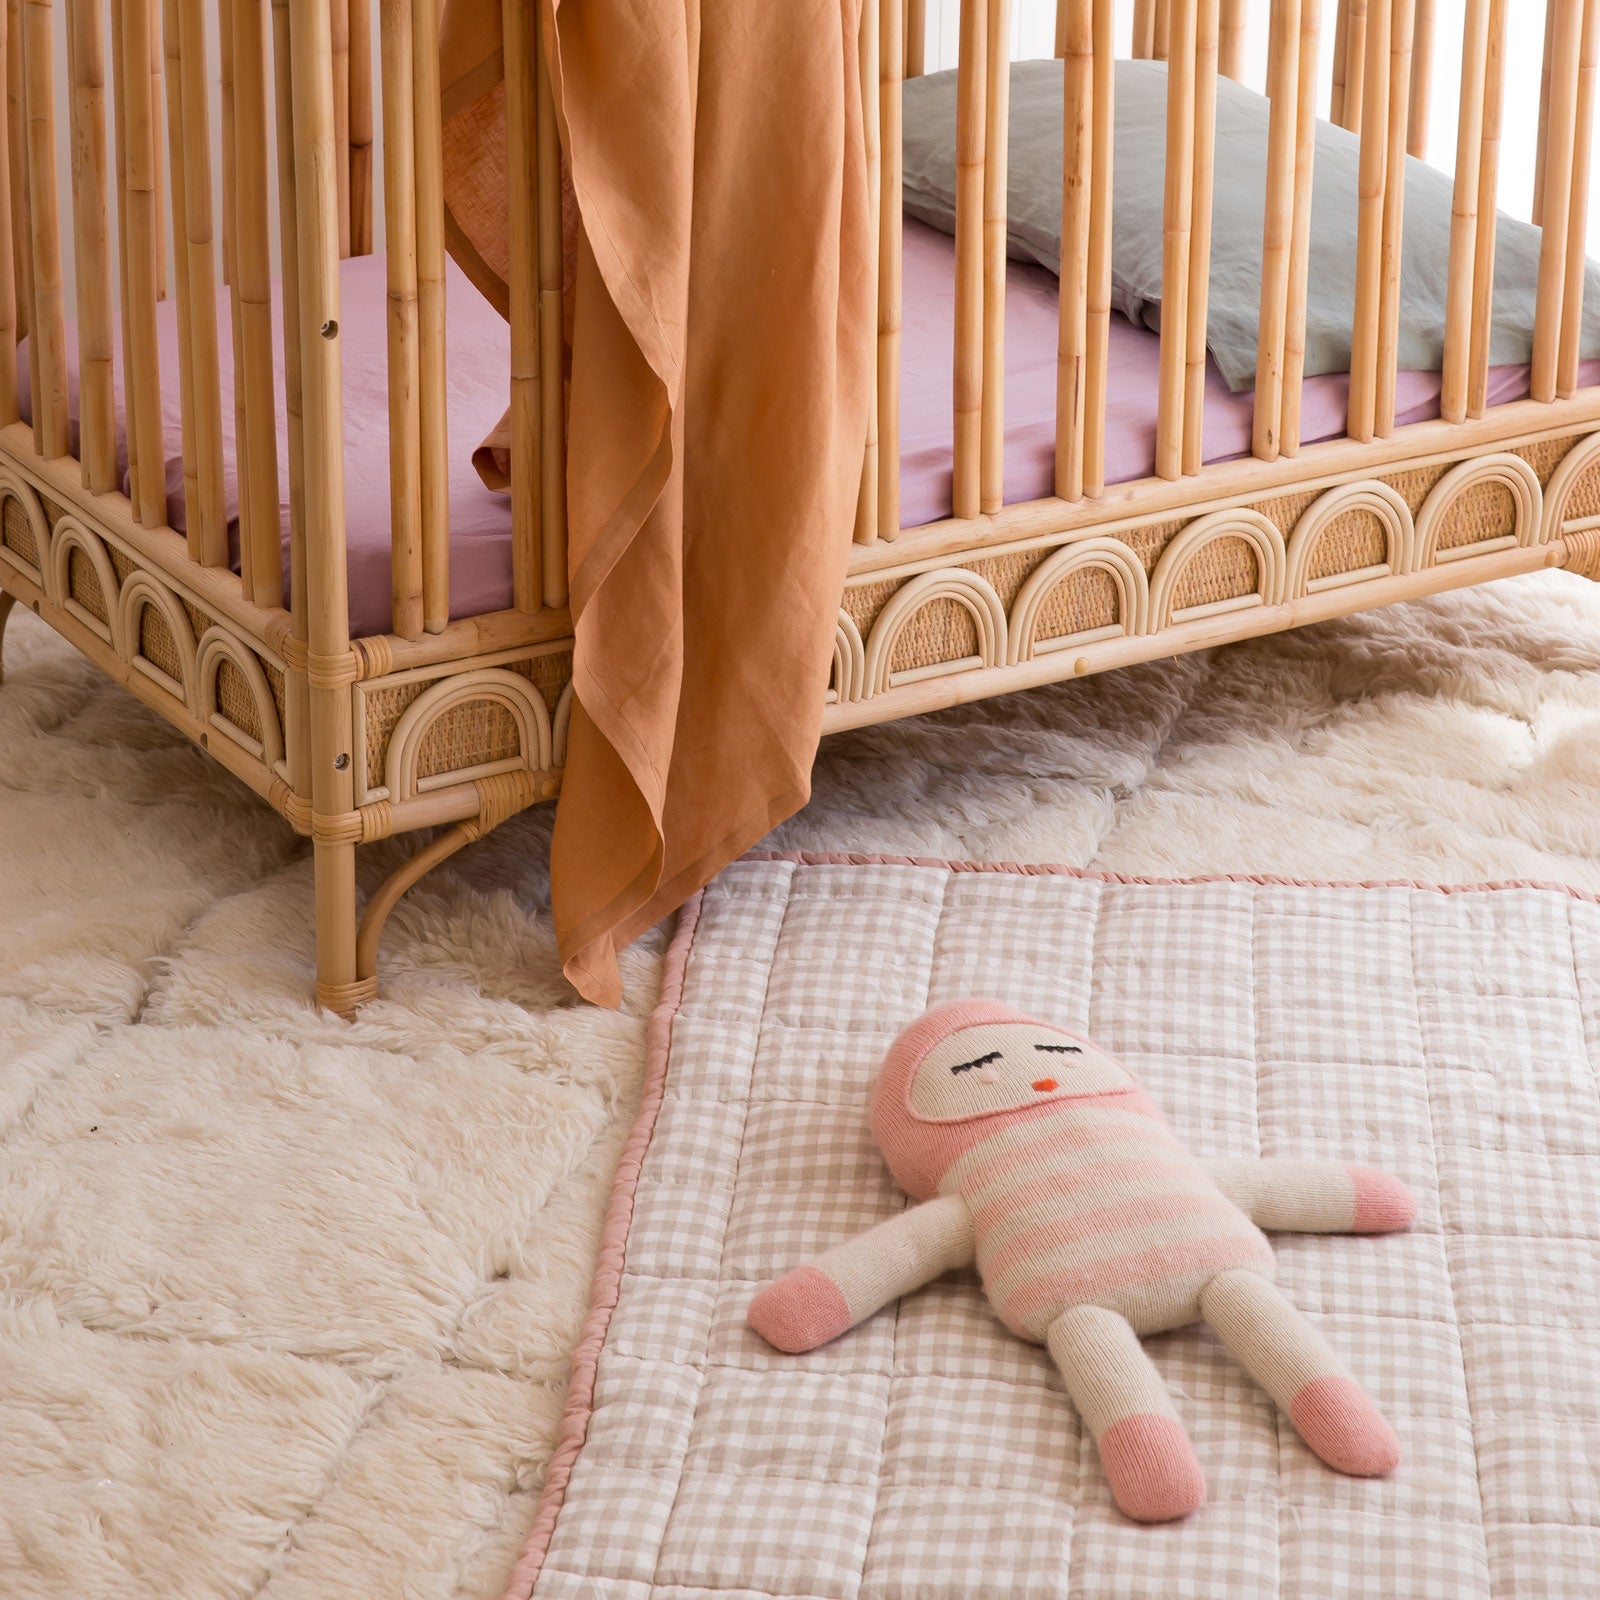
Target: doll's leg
1281 1350
1125 1405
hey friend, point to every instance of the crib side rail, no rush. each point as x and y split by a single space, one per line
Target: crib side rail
1383 72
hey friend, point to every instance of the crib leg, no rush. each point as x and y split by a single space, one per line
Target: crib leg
338 987
6 603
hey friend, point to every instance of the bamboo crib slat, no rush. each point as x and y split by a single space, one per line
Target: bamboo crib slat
1231 35
1370 189
1207 36
158 101
997 111
1277 228
914 16
174 97
1488 192
361 124
298 709
1550 30
1421 80
119 175
552 334
1144 30
207 519
140 352
1177 214
231 278
1294 318
1400 55
891 56
17 175
8 281
971 78
1162 30
48 344
225 100
1571 342
258 447
866 524
1566 22
91 211
1341 50
1354 61
1096 375
339 35
518 22
1464 214
400 247
435 428
1080 153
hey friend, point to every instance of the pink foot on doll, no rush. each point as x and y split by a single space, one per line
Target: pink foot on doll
1150 1462
1383 1203
802 1310
1334 1416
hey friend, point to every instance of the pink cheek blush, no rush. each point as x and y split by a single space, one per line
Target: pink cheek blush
988 1075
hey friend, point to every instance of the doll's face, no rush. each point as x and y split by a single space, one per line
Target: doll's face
1000 1066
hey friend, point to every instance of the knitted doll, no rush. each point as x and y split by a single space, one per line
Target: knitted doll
1037 1156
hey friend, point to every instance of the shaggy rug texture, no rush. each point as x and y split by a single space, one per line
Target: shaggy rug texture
287 1304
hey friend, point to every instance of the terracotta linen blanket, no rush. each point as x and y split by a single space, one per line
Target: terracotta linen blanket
719 383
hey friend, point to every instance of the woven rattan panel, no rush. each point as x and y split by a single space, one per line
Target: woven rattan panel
83 583
1083 600
466 735
1545 456
1352 540
1226 569
1487 510
156 643
942 630
235 701
459 730
16 532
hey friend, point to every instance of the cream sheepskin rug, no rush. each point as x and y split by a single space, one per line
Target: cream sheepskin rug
286 1304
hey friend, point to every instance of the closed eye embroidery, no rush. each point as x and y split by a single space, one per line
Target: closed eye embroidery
1061 1049
982 1061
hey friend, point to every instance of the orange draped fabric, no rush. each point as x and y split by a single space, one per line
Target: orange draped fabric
720 358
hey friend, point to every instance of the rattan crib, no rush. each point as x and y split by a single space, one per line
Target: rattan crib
458 724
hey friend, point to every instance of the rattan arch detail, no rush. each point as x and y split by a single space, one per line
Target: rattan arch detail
1112 556
1372 495
70 535
1499 467
974 593
216 647
515 693
140 590
1251 526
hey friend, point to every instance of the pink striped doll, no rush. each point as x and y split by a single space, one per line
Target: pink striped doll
1036 1156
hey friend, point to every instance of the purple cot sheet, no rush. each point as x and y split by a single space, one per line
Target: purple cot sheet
479 381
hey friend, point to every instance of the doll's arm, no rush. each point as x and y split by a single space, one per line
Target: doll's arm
1314 1196
845 1285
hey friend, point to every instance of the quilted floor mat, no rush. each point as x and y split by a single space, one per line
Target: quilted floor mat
1450 1037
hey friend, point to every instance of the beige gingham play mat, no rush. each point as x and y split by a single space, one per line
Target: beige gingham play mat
928 1455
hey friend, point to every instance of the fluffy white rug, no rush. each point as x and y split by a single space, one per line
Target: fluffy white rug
286 1304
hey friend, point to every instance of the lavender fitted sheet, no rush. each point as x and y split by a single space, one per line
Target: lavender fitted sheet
479 379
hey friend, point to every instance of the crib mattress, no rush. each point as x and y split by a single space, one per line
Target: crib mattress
479 381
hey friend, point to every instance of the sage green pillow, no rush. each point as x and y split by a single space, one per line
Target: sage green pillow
1137 187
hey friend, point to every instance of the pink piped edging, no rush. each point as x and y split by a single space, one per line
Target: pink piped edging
613 1256
619 1212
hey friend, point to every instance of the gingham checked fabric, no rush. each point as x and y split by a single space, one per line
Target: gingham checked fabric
929 1455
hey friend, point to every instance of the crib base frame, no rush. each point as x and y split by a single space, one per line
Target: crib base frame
462 729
